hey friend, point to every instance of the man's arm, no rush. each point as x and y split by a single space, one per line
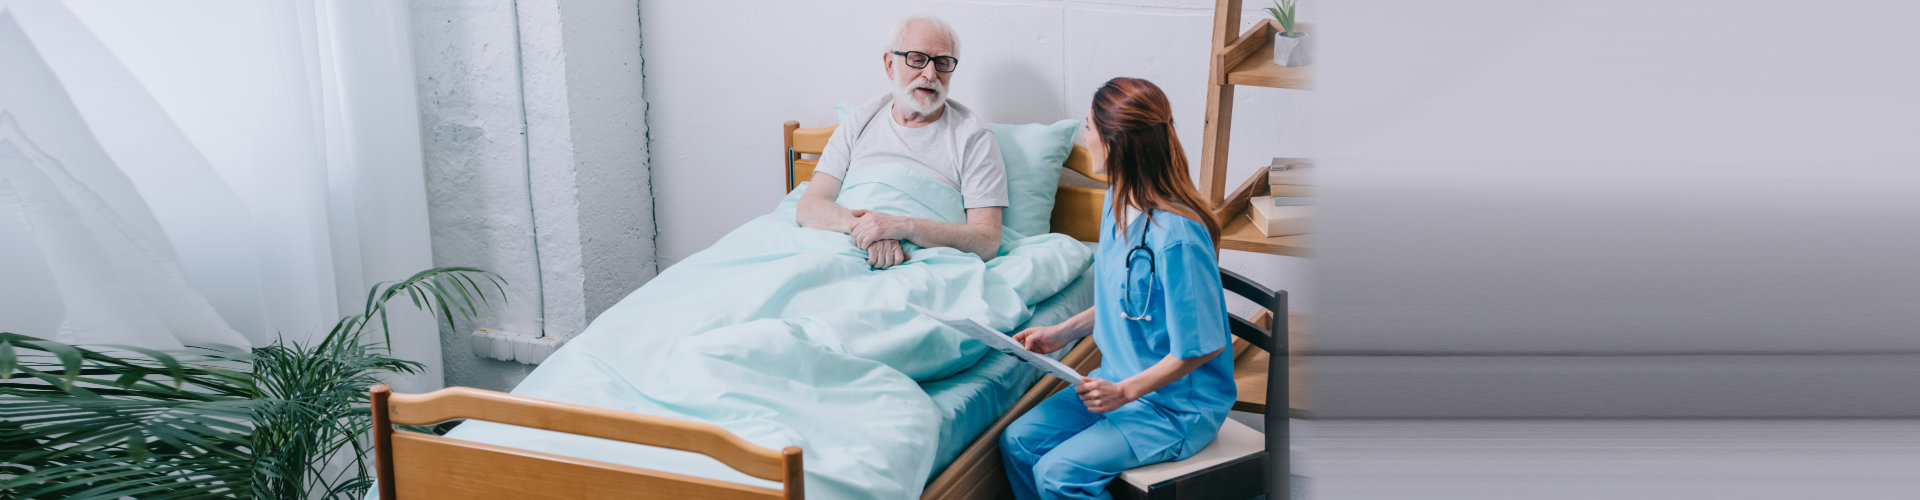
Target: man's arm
979 236
818 210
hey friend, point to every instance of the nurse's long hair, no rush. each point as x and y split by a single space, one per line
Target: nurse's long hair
1145 162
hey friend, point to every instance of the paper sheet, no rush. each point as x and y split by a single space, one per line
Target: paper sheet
1004 343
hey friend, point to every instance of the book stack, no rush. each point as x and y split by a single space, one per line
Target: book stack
1280 215
1289 203
1289 177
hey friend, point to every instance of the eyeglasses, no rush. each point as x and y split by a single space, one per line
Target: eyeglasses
918 60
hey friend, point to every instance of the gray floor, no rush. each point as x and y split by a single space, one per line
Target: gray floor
1611 459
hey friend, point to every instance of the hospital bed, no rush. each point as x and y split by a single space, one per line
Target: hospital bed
977 404
977 472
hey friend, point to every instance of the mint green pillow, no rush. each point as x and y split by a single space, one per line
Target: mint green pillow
1034 154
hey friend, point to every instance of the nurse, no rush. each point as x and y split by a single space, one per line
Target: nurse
1159 317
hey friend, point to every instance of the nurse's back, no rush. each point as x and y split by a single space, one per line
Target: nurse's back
1159 318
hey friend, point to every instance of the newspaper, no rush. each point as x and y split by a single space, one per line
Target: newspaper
1004 343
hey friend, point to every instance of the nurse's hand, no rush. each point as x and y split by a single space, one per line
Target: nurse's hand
1040 339
1101 396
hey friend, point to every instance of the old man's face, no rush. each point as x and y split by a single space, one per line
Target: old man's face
921 90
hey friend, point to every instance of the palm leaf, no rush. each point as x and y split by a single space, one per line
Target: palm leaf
196 423
7 359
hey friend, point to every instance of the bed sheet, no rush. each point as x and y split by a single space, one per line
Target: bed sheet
972 400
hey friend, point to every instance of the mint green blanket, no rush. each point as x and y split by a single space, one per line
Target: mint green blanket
784 336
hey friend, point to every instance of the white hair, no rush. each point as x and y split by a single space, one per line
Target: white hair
900 32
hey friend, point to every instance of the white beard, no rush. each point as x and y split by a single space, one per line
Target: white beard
903 95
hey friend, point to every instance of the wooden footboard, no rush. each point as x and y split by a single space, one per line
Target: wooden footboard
978 472
414 465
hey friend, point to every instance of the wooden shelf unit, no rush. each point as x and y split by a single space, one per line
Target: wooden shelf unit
1256 67
1239 234
1247 59
1237 231
1242 59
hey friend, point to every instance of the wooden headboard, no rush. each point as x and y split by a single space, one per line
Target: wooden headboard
1076 209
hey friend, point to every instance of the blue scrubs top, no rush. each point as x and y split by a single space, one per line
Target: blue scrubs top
1188 312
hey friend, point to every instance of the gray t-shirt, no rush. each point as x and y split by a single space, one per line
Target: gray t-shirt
957 150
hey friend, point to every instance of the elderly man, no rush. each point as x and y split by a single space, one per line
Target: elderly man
918 126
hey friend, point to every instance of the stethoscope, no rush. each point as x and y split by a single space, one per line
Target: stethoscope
1126 282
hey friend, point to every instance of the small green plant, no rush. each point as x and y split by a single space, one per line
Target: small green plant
119 421
1282 11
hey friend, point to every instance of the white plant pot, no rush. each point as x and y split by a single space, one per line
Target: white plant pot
1291 51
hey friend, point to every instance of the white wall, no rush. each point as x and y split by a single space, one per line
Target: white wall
537 163
1687 209
1667 189
723 76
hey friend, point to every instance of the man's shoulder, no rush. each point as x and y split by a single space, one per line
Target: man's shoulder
965 122
857 119
867 110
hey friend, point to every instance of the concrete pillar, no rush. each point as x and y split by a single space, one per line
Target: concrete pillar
535 135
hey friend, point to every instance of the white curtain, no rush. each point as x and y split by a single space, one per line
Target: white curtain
218 172
112 275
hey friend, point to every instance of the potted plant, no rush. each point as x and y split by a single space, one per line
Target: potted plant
287 421
1289 44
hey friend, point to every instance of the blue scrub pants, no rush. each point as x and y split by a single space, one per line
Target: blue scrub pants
1061 450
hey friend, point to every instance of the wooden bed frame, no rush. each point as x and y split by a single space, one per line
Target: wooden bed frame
1076 209
415 465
